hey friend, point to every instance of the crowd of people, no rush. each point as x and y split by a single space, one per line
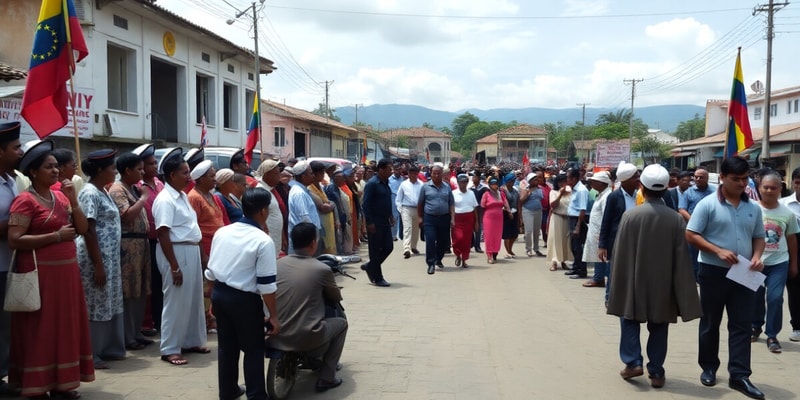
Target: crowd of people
174 247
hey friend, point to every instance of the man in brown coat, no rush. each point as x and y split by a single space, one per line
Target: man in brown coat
306 297
653 280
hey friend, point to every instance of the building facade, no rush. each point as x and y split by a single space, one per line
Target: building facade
291 132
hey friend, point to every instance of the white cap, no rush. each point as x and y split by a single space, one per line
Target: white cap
601 176
625 171
655 177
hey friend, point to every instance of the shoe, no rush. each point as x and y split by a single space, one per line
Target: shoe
708 378
150 332
593 283
571 272
656 381
458 261
578 275
795 336
774 345
431 269
564 266
631 372
364 268
529 253
394 239
746 387
69 395
241 392
382 283
415 251
478 250
439 264
323 385
755 333
407 254
464 264
538 253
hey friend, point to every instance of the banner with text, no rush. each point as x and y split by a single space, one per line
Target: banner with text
11 106
610 154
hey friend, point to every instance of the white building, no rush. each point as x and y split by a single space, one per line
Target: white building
150 74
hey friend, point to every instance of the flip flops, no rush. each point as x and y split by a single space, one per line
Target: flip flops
174 359
199 350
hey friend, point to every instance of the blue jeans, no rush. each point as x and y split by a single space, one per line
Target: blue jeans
773 294
600 271
630 347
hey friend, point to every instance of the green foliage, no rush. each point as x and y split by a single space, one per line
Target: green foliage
691 129
460 124
476 131
326 112
428 125
402 142
652 150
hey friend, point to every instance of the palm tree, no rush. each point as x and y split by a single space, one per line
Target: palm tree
622 116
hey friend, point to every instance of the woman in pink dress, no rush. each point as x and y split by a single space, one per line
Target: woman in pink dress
493 203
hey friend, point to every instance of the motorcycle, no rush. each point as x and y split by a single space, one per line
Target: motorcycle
284 367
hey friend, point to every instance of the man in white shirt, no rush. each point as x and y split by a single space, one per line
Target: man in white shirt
183 326
406 202
269 175
243 267
793 282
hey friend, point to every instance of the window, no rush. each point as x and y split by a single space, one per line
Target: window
795 105
280 137
757 113
230 106
205 57
120 22
249 100
205 99
230 68
250 76
121 64
789 107
773 110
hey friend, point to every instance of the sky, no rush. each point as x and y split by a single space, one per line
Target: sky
453 55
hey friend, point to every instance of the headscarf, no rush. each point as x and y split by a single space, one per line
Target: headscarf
509 177
224 175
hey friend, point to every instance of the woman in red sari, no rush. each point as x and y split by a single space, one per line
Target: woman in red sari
51 349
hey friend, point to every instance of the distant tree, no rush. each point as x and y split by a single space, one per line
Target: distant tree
326 112
652 150
691 129
428 125
620 116
476 131
461 122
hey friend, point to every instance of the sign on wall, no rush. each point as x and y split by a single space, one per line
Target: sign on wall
10 108
610 154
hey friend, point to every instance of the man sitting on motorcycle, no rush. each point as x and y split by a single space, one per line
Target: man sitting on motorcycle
310 316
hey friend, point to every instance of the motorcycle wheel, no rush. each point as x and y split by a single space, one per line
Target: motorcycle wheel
281 376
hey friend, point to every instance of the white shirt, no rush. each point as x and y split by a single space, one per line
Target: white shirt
243 257
408 194
630 200
171 209
464 202
275 217
794 205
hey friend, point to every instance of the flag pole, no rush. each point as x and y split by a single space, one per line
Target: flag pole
71 56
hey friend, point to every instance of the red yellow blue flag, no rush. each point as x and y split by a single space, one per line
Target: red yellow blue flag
739 135
253 131
58 34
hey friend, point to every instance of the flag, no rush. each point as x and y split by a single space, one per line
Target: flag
739 136
58 33
253 132
525 161
364 153
203 133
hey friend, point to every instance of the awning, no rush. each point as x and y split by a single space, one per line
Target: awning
683 154
779 150
8 91
719 152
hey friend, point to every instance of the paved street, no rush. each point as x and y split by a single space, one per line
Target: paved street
512 330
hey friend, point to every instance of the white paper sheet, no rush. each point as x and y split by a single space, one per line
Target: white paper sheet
741 274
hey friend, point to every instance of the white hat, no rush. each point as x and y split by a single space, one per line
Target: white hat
300 168
601 176
201 169
530 176
655 177
625 171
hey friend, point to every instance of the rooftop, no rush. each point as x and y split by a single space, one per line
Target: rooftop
292 112
8 73
421 132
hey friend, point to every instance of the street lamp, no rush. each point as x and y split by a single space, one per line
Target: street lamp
257 57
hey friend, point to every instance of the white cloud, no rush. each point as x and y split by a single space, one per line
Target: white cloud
681 31
578 8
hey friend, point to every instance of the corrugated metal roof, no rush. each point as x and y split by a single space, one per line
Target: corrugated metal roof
9 73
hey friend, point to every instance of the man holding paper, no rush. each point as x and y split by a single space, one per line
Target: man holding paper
724 226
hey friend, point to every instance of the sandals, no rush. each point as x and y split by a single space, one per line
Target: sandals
174 359
554 267
490 261
197 349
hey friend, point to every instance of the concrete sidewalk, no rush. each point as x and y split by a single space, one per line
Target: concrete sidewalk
512 330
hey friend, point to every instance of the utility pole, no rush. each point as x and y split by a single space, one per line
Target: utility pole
356 123
258 62
633 83
327 106
770 9
583 120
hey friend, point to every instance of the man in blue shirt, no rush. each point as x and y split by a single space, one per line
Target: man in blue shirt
436 211
577 213
377 207
723 227
688 201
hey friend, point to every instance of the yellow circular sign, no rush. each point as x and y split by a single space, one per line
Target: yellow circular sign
169 43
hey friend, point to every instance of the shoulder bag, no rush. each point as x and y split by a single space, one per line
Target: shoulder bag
22 289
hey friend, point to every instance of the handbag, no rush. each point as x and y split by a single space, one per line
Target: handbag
22 288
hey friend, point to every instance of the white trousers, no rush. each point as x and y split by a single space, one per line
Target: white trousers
410 227
183 322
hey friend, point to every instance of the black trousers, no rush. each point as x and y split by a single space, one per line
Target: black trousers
156 294
476 236
380 246
240 327
793 298
718 293
576 244
437 230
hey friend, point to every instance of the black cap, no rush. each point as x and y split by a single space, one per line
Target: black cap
9 131
237 158
102 158
193 157
33 150
145 151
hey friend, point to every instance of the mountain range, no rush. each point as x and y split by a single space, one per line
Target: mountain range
387 116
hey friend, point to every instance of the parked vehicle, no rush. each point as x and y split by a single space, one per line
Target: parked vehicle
220 156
